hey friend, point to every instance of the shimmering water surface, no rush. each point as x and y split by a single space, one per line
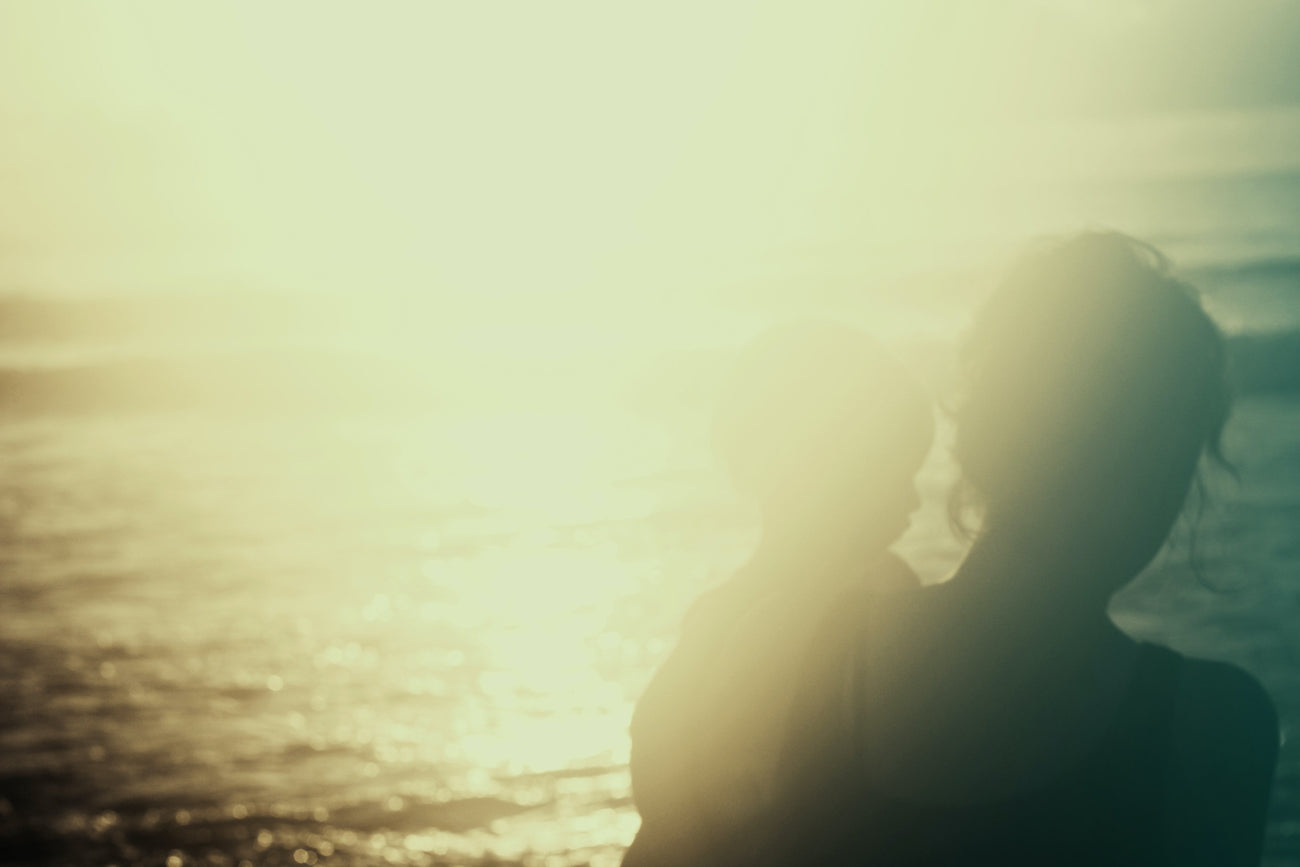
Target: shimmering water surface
379 641
340 636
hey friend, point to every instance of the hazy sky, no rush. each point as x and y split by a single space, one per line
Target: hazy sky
483 150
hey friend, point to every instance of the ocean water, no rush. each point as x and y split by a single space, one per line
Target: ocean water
416 637
270 638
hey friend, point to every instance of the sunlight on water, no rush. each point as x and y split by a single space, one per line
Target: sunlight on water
349 629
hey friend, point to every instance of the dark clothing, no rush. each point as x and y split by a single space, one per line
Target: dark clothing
1106 810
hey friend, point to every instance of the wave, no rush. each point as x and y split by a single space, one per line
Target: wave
257 382
1252 269
1267 363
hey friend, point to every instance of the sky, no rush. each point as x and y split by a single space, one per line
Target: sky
465 156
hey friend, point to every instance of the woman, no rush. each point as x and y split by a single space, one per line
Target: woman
1001 718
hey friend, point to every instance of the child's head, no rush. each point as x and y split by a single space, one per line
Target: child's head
826 431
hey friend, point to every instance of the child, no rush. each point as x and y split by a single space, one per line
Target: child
826 432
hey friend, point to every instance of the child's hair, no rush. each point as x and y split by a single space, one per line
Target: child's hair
809 401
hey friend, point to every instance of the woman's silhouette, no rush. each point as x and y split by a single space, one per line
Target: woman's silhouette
1000 718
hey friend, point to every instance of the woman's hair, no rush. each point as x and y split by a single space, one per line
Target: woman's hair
1093 382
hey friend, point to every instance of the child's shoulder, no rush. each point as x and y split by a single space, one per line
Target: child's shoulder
728 600
891 573
722 603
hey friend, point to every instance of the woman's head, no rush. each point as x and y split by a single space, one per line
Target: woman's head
820 425
1094 382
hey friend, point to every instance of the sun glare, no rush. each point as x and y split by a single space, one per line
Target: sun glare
359 358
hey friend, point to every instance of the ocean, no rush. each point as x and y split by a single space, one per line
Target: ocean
413 634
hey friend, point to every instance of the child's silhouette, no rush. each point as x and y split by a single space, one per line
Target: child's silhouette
826 432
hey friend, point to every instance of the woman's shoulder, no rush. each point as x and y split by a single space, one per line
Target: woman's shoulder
1225 742
1225 724
1217 700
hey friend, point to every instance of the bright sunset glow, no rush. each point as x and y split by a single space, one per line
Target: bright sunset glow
358 357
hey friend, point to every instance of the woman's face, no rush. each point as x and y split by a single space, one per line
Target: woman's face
1139 519
1113 519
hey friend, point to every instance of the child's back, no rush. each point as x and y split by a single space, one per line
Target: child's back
827 433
